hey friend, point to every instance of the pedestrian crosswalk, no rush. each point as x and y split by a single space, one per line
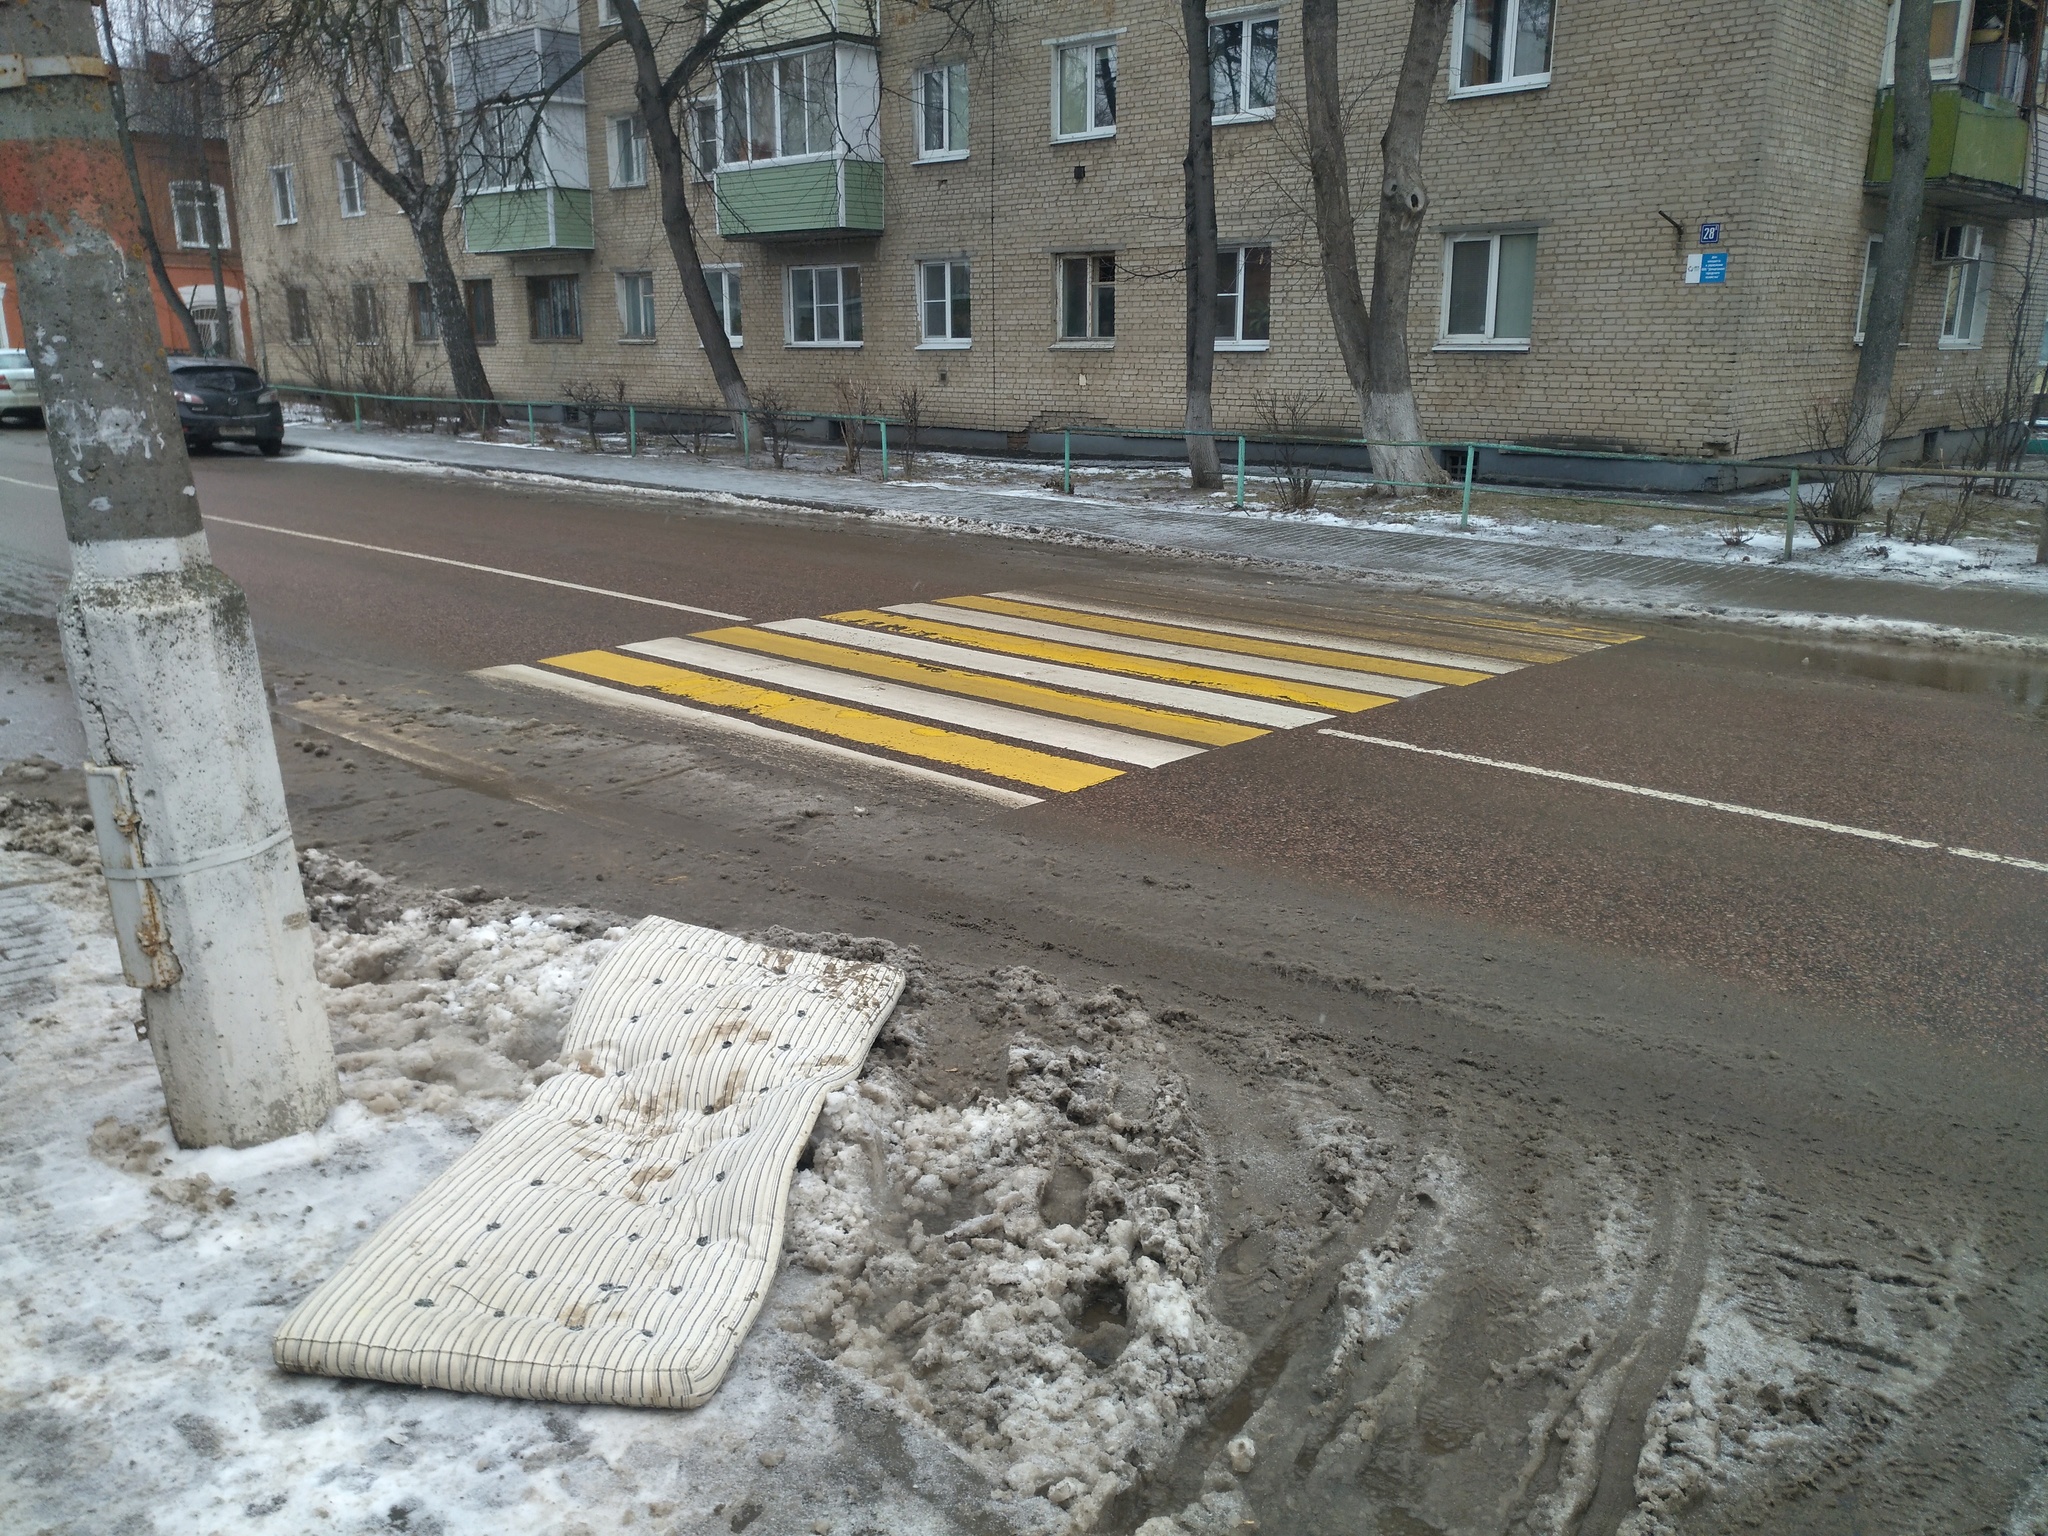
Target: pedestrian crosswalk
1015 694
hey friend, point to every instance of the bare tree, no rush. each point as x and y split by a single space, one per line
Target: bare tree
1912 98
661 92
145 221
1198 177
1374 341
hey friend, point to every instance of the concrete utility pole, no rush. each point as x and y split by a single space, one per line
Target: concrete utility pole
188 804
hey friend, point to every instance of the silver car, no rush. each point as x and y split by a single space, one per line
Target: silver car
18 393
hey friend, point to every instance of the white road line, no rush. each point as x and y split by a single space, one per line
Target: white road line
666 709
1866 833
1114 685
1349 643
34 485
920 704
1257 666
488 570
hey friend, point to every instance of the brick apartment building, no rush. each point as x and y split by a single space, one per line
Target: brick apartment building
182 155
994 221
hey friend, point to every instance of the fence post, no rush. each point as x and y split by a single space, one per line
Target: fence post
884 425
532 438
746 443
632 431
1465 506
1066 463
357 401
1240 471
1791 510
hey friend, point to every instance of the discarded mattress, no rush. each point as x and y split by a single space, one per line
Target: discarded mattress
611 1240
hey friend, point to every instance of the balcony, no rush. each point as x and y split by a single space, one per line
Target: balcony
810 198
528 219
1976 156
802 155
505 66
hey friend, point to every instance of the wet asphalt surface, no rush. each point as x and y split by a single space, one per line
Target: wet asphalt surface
1862 934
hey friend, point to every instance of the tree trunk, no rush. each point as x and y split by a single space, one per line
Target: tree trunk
1198 177
656 94
1864 435
452 319
1390 415
144 222
1330 175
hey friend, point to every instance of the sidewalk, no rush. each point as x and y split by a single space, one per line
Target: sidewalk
1643 585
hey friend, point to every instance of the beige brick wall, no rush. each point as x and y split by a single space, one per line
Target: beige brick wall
1752 114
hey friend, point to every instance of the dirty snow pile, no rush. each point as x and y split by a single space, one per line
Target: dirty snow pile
1029 1273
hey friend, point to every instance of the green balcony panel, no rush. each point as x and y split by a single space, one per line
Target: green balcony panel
810 197
530 219
1978 141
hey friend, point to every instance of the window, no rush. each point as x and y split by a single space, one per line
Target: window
1967 297
555 307
483 310
1871 251
349 177
724 283
1084 90
426 325
1244 300
607 13
365 315
629 152
779 108
1087 297
284 194
636 306
1489 290
824 306
1947 41
941 106
945 310
398 43
703 143
199 210
1501 45
298 314
273 84
1244 67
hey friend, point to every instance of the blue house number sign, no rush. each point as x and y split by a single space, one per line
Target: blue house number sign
1710 234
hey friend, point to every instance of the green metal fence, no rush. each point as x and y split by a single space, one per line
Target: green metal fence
1465 454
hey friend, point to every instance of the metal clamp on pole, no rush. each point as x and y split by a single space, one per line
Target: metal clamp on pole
17 69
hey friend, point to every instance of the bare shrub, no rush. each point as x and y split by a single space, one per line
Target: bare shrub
773 413
1286 417
910 413
854 411
356 342
593 396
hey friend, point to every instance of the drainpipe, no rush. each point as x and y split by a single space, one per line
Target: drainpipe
181 769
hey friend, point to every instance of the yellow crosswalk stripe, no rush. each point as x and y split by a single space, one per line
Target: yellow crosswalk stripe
1217 640
1022 765
1315 695
999 690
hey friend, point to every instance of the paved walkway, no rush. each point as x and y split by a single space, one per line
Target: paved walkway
1523 570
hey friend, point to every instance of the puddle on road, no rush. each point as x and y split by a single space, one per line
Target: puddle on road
2022 684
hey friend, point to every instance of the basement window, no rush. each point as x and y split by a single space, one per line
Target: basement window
1489 290
1500 45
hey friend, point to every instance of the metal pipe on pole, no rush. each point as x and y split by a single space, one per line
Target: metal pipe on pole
181 769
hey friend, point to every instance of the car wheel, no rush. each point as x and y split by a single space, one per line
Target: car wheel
271 446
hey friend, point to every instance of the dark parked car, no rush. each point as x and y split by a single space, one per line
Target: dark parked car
224 402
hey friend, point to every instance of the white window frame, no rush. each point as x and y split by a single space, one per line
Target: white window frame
348 177
398 43
952 269
1236 342
724 283
1944 71
636 306
774 61
1094 339
1094 42
1244 21
364 301
697 114
607 13
1873 246
1966 293
220 215
1486 341
616 135
952 80
273 85
839 307
1510 28
284 195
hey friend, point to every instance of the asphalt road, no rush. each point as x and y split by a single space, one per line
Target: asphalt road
1774 1022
